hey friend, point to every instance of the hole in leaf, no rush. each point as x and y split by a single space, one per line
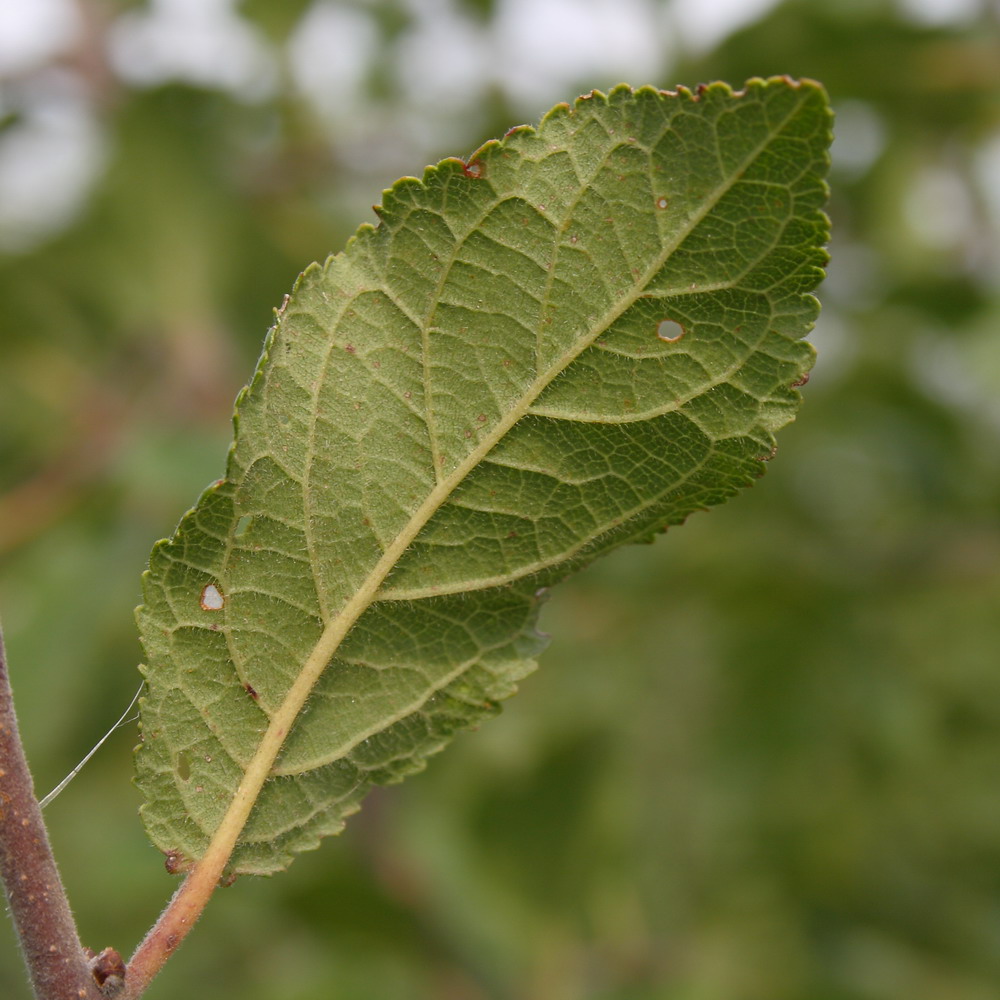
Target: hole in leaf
662 203
669 330
211 598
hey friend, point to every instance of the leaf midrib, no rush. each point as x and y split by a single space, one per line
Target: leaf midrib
260 768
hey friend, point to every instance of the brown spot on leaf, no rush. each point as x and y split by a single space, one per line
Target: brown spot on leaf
800 381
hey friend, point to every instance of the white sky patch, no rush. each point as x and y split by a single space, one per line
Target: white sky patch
987 174
939 209
444 61
938 13
855 275
859 137
703 24
48 161
329 54
33 31
544 47
836 346
963 375
202 42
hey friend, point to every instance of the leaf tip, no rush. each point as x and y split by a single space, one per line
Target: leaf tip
594 96
515 129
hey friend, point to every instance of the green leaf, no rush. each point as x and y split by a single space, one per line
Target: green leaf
570 342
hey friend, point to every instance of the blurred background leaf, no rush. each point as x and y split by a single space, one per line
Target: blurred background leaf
803 804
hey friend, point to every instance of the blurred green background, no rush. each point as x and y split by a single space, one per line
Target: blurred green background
761 760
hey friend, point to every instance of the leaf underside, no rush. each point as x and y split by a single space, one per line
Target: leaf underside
570 342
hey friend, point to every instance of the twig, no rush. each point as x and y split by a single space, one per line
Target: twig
187 904
170 929
57 964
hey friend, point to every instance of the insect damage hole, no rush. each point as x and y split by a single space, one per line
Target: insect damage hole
669 330
211 598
